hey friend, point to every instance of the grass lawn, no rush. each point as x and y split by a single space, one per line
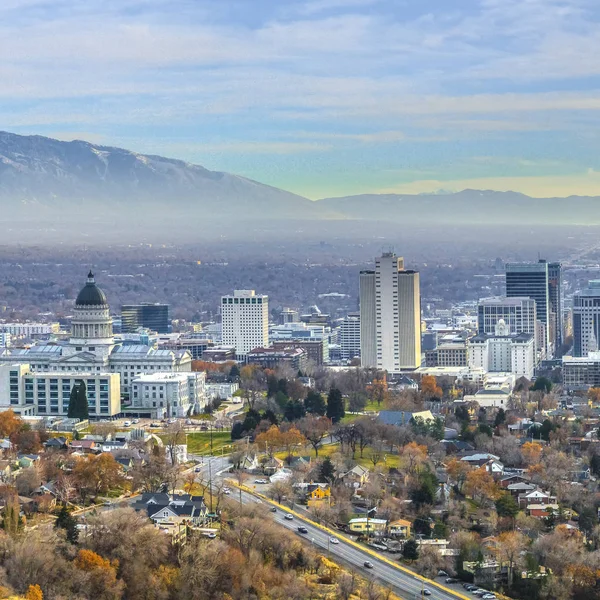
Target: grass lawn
199 443
392 460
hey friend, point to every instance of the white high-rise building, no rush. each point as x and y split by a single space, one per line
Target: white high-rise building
245 321
390 316
349 336
586 319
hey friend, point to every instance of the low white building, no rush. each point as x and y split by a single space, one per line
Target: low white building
45 394
225 391
29 329
162 395
503 352
5 339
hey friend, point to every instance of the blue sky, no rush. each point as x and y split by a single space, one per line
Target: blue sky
321 97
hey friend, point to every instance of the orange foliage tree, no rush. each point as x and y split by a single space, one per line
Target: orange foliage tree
414 456
10 423
531 452
34 593
458 471
480 485
378 390
430 388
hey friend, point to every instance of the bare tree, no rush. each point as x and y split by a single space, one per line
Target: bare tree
315 430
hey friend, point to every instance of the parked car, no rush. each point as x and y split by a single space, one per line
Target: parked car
155 425
333 540
127 424
368 564
135 421
302 530
489 597
260 481
451 580
442 573
211 535
289 517
470 587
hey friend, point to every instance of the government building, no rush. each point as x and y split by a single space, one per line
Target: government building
34 380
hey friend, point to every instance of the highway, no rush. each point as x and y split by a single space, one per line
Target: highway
402 583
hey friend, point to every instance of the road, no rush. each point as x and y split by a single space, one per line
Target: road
408 586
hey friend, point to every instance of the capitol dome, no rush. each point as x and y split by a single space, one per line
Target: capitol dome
91 294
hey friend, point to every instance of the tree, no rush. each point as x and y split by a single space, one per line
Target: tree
509 548
335 405
291 439
327 470
10 423
431 427
97 474
78 404
280 490
458 471
11 521
271 440
34 592
542 384
430 561
67 522
410 551
430 388
102 579
378 390
314 429
546 429
424 492
27 481
480 485
26 441
506 506
294 410
314 403
500 418
175 436
531 452
234 372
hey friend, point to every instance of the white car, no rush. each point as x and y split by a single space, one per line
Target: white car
289 517
226 491
334 540
127 424
489 597
135 421
260 481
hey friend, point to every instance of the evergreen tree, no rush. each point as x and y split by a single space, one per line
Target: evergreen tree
410 550
234 372
78 404
327 470
506 506
500 418
315 403
67 522
294 410
335 405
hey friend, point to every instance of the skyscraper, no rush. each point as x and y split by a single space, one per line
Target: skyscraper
148 315
555 295
245 321
586 319
519 313
531 280
390 315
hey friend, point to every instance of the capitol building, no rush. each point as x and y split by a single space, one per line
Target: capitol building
38 380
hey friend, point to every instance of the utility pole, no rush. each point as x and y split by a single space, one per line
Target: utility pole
210 483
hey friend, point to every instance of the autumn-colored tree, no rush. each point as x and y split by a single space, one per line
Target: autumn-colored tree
480 485
10 423
291 439
314 429
102 575
270 441
594 394
509 548
97 474
414 455
204 365
430 388
34 593
378 390
26 441
458 471
532 452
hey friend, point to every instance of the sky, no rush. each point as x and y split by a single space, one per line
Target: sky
320 97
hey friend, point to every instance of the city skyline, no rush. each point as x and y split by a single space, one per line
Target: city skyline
320 97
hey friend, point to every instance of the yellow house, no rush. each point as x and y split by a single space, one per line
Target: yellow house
364 525
318 494
400 528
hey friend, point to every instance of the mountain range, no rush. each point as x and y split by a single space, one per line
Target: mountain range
75 184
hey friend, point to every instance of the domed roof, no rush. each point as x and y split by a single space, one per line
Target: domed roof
91 294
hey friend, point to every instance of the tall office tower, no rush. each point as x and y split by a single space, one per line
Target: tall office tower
349 336
586 319
555 295
390 315
148 315
518 313
531 280
289 315
245 321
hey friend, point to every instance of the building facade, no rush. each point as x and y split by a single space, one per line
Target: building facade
161 395
245 321
155 317
349 337
390 316
586 319
581 373
519 313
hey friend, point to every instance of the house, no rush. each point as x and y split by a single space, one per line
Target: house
403 417
126 462
516 489
367 525
250 463
111 446
356 477
479 458
56 443
440 545
541 510
87 446
300 462
455 446
27 460
400 528
495 468
535 497
281 475
513 478
48 488
176 508
6 446
315 494
272 465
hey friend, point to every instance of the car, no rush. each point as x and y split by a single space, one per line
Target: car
368 564
226 491
333 540
426 592
470 587
302 530
155 425
107 503
479 592
197 470
273 509
260 481
127 424
489 597
442 573
212 535
451 580
289 517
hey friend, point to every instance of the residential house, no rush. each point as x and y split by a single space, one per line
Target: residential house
86 446
516 489
400 528
513 478
403 417
272 465
281 475
541 510
176 508
56 443
495 468
453 446
250 463
356 477
6 447
536 497
27 460
367 525
315 494
440 545
479 459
